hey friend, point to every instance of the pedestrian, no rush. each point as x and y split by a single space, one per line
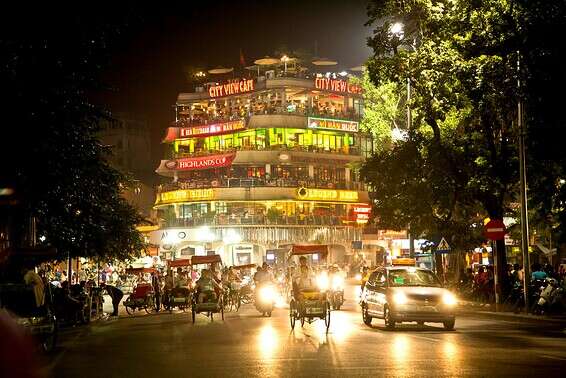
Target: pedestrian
116 295
156 283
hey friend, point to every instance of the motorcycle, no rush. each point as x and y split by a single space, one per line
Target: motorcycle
549 298
336 292
265 299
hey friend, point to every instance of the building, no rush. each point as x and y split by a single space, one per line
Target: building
130 141
257 165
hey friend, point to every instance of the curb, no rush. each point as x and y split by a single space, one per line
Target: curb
512 316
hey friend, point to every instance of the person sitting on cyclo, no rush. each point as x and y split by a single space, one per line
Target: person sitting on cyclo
207 288
304 280
181 288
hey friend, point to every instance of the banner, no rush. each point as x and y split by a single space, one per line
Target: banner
204 162
220 128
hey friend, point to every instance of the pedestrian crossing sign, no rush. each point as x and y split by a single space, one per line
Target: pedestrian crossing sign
443 246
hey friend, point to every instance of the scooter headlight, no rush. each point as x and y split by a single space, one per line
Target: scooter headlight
267 294
337 283
322 281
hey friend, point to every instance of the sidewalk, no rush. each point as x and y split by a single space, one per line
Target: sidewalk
488 310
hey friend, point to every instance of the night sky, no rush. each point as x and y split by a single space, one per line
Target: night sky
147 66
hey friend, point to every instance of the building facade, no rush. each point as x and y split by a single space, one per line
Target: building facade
255 166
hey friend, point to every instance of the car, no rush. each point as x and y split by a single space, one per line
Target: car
401 294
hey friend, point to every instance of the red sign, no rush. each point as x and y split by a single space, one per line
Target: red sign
336 85
174 133
361 213
205 162
231 88
495 230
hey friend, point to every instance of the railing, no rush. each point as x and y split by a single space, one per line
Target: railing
227 220
258 182
269 110
353 151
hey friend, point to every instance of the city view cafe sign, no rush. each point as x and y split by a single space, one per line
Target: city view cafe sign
336 85
231 88
195 163
174 133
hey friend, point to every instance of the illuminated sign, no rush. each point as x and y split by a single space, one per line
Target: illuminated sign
174 133
332 124
336 85
361 214
327 195
214 129
204 162
231 88
184 195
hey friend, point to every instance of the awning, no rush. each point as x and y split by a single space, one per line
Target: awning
321 249
195 260
178 263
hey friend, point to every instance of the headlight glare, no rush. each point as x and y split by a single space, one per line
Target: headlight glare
449 299
400 298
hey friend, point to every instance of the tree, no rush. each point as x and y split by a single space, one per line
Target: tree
49 151
461 59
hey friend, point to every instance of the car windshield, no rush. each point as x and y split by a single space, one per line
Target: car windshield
412 277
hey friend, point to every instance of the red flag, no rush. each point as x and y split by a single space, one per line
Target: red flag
242 60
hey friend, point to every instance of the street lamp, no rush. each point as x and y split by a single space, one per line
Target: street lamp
285 59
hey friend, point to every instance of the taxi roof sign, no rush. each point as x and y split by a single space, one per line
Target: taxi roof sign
403 262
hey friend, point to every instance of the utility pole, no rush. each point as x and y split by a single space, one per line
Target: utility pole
523 179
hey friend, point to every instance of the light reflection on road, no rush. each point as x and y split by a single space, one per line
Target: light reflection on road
267 342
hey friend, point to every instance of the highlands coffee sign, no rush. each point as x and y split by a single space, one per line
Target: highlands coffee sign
205 162
231 88
174 133
336 85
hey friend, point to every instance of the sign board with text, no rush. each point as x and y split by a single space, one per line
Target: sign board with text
333 124
202 162
336 85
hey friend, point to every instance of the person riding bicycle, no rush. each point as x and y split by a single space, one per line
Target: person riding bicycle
207 288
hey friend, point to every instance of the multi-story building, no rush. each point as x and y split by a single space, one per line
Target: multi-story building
258 165
130 142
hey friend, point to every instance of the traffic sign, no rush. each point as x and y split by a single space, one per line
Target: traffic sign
495 230
443 246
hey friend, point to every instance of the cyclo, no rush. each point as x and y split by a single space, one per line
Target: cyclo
208 301
180 297
243 293
143 296
309 301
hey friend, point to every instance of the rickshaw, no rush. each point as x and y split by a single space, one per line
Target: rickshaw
212 305
245 289
143 296
310 305
178 297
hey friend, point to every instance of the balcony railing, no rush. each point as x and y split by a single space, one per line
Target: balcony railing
267 110
259 182
352 151
257 220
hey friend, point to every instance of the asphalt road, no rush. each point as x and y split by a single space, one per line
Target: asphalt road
248 345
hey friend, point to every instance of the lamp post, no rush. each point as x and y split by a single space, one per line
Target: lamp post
398 30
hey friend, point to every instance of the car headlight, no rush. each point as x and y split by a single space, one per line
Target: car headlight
400 298
266 294
358 277
322 281
337 283
449 299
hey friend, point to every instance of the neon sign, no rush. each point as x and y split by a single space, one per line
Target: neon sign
327 195
185 195
231 88
204 162
333 124
336 85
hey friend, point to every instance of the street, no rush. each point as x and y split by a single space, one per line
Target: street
246 344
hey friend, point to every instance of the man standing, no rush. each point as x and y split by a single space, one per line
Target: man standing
116 295
156 283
